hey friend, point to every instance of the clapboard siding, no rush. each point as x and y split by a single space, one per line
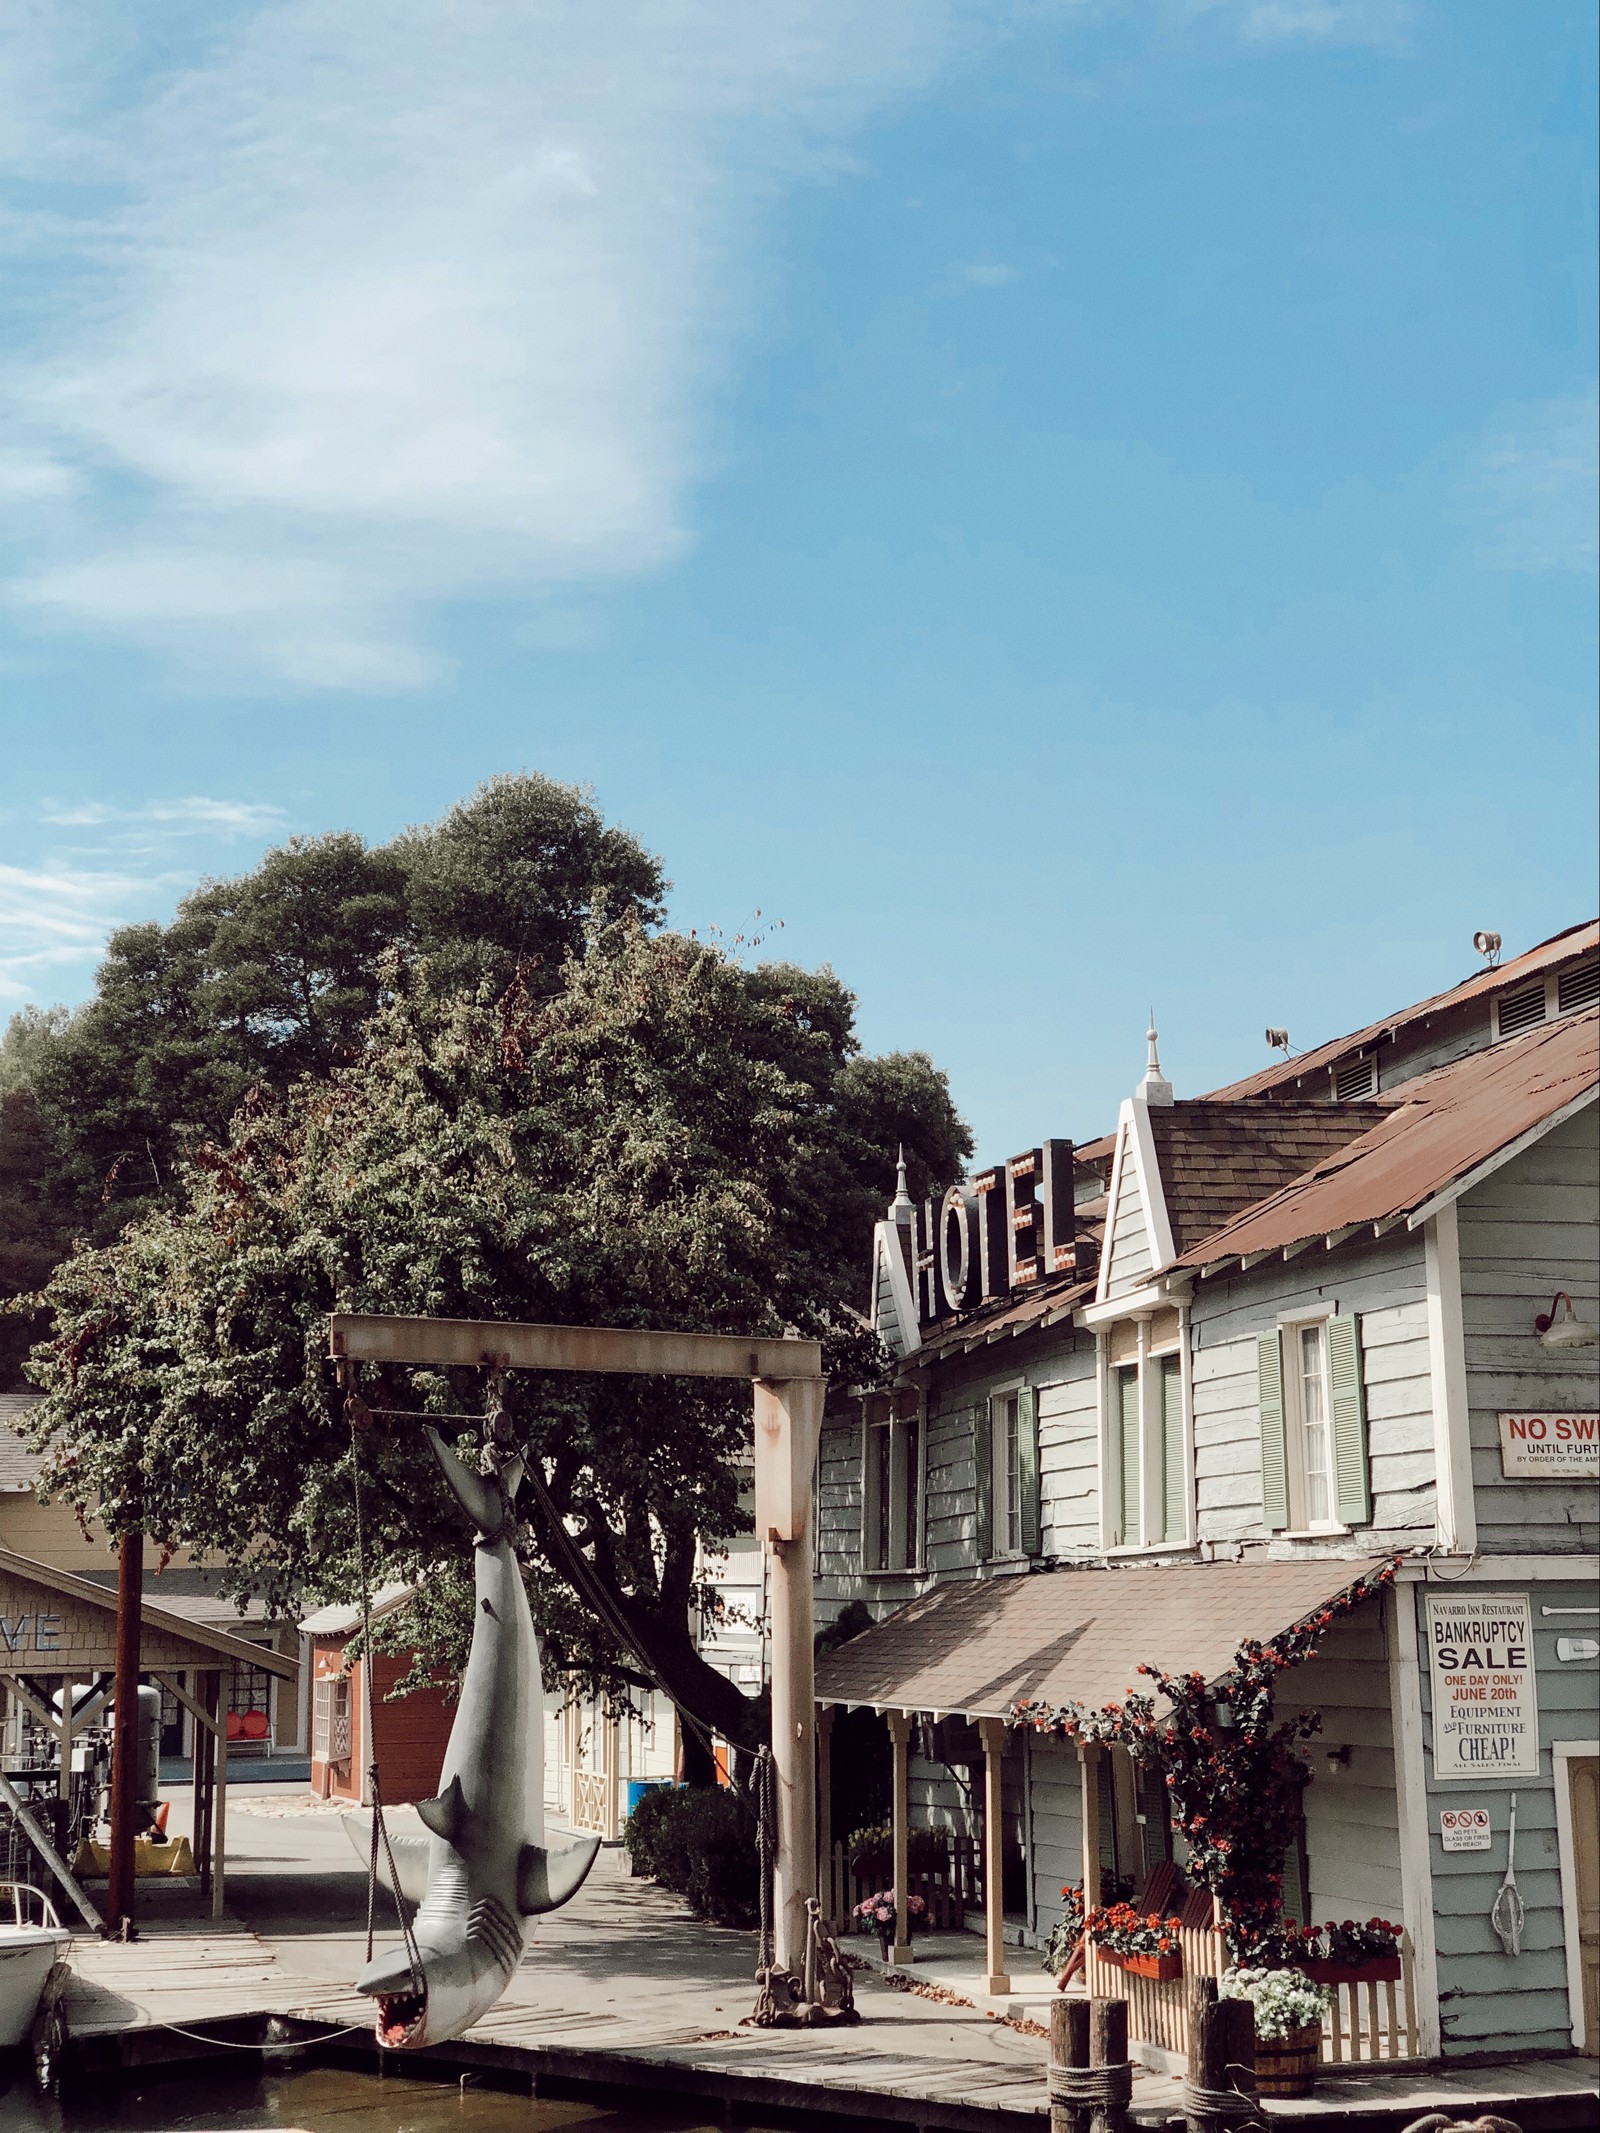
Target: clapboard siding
1069 1460
838 1514
1384 1281
1128 1243
951 1532
1525 1232
1490 2001
1352 1812
1057 1827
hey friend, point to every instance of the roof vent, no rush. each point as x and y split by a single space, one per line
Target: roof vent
1520 1009
1578 988
1355 1079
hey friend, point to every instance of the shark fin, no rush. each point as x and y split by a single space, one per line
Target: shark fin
387 1974
548 1879
445 1815
486 1498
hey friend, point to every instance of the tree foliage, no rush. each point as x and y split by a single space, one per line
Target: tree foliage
657 1137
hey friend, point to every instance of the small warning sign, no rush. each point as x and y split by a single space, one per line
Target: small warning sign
1464 1829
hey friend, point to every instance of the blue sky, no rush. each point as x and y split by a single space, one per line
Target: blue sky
1064 506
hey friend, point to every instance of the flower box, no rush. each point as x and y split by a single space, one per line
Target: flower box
1162 1968
1376 1970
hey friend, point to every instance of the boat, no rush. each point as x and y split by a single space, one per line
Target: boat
32 1942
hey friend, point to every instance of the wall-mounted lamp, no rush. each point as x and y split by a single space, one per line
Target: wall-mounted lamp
1337 1759
1561 1327
1224 1713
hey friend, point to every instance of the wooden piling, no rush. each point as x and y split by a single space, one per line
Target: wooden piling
1069 2047
1220 2089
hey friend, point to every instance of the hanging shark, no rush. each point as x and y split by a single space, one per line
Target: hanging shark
489 1872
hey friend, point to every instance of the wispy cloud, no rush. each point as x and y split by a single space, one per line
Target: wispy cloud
1329 22
1537 487
54 917
195 814
372 304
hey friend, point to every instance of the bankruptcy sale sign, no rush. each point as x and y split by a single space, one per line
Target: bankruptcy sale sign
1480 1662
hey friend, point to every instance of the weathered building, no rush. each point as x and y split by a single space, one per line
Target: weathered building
1338 1314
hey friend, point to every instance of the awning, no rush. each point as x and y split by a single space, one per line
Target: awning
1074 1636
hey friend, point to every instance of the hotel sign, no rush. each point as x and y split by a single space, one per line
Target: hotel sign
1002 1231
1480 1667
1550 1447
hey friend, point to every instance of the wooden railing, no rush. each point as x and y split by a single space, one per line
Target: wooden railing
594 1802
949 1888
1367 2024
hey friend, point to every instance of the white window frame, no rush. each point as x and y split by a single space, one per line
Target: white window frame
1005 1507
907 1537
1146 1362
1291 1326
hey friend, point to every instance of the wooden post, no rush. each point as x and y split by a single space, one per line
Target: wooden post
203 1763
825 1815
899 1723
1108 2047
1069 2047
67 1686
992 1732
788 1426
222 1681
125 1734
1222 2059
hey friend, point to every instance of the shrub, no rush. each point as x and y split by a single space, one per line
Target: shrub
699 1841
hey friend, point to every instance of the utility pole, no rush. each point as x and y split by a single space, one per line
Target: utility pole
125 1735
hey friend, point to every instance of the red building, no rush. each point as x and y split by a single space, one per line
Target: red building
407 1735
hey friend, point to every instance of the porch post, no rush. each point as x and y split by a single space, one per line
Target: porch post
825 1812
788 1426
992 1732
1089 1792
899 1723
222 1682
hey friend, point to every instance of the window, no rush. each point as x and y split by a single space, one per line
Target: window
1354 1080
1006 1471
1313 1426
1164 1448
1131 1463
330 1726
1578 988
892 1482
1311 1483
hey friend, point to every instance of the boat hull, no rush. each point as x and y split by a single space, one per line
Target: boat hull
27 1956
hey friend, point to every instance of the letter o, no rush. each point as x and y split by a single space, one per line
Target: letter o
953 1216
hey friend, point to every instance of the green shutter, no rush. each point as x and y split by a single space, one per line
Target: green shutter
1128 1418
1028 1468
1274 1460
1174 1475
1354 1496
983 1479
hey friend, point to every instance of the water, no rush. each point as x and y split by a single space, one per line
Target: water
326 2099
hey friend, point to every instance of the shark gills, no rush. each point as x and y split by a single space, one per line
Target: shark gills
489 1869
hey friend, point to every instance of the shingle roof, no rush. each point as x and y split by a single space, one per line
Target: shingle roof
1076 1635
1565 947
1217 1159
19 1463
1448 1124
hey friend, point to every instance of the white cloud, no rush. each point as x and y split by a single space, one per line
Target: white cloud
53 917
377 303
1538 487
241 817
1329 22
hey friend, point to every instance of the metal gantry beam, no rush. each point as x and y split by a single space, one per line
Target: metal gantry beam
478 1343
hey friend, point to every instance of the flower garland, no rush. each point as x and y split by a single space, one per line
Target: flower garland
1235 1785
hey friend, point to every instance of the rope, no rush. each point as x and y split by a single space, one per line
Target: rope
380 1828
1093 2085
1201 2102
276 2044
764 1847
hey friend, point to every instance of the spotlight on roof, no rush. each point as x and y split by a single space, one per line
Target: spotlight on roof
1488 946
1279 1041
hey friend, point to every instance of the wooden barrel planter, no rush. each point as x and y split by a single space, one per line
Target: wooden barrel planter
1287 2065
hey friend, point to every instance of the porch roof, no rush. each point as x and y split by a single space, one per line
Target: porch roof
1074 1636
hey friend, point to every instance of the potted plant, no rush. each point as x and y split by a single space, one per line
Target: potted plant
1136 1941
875 1914
1289 2011
1352 1954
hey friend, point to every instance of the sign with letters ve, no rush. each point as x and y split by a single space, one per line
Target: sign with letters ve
1464 1829
1550 1447
1480 1665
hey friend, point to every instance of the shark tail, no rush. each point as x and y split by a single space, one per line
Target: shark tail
486 1498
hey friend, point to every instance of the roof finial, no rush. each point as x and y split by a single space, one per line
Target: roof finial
902 1208
1155 1087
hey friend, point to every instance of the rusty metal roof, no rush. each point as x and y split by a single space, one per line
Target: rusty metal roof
1448 1123
1073 1636
1564 947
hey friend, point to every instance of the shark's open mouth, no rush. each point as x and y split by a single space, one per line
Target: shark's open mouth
400 2016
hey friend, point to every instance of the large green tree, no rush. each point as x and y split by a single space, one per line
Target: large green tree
660 1138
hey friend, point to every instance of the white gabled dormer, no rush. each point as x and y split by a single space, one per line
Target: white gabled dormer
894 1304
1138 1237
